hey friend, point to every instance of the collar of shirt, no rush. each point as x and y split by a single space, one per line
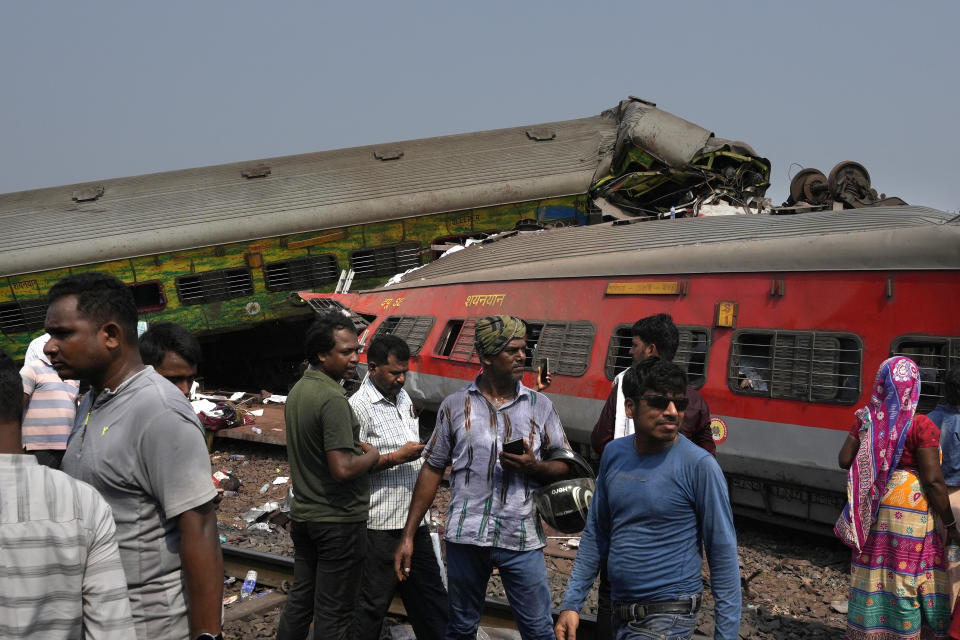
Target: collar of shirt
522 391
18 459
318 374
374 395
107 393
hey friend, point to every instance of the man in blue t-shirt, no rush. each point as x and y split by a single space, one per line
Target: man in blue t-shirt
659 500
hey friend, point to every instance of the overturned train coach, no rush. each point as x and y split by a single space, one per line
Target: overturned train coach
223 249
784 321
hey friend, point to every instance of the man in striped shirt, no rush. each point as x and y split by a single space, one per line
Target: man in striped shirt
492 520
58 555
389 422
50 405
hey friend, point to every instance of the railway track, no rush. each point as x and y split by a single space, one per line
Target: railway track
277 571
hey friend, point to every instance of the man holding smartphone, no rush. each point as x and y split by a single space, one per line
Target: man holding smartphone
492 520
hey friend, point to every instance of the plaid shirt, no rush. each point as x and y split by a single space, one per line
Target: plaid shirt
388 426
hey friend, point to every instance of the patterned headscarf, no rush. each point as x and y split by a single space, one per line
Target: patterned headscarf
884 424
491 334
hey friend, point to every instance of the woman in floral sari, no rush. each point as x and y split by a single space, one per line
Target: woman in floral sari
898 585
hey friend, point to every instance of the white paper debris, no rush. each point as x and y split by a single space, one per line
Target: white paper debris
236 396
203 405
275 398
281 480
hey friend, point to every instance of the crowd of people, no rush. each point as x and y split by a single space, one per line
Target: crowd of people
108 512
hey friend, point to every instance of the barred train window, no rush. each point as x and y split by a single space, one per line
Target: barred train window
566 344
28 315
934 355
456 341
301 273
814 366
23 315
385 261
692 352
412 329
212 286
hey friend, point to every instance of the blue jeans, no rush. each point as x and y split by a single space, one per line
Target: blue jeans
524 575
659 626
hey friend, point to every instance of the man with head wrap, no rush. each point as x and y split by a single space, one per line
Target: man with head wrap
492 521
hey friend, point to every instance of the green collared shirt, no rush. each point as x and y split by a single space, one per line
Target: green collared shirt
319 419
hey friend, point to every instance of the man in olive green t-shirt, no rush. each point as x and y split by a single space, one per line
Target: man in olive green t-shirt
329 466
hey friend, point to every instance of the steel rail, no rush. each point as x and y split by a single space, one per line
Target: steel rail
274 570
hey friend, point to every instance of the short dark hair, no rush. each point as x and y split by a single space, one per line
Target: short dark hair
11 390
100 297
951 387
658 330
382 346
653 374
169 336
319 338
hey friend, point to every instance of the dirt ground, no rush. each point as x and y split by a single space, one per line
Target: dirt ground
790 579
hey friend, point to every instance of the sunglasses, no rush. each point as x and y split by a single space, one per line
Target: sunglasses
661 402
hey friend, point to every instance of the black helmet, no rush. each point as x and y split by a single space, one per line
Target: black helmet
563 504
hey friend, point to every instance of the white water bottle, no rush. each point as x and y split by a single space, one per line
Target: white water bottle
248 584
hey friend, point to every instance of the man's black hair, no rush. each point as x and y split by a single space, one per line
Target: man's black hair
11 390
658 330
319 338
102 298
951 387
382 346
653 374
169 336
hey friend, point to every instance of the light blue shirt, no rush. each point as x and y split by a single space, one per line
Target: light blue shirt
650 515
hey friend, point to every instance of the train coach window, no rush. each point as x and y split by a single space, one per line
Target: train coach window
385 261
212 286
692 352
456 341
23 315
813 366
301 273
934 355
412 329
566 344
148 296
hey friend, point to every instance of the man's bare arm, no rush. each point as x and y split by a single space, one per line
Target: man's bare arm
346 465
202 563
423 493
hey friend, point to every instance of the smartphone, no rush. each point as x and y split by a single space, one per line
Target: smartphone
514 446
544 369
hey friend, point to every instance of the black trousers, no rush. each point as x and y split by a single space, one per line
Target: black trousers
326 579
422 592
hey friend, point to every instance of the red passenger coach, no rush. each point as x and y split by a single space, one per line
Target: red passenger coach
784 321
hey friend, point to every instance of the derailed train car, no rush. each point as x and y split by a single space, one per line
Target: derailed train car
784 321
222 249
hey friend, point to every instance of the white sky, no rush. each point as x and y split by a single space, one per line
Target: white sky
96 90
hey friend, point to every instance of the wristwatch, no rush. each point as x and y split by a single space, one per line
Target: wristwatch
209 636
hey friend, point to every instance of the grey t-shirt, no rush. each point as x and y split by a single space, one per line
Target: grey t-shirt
141 446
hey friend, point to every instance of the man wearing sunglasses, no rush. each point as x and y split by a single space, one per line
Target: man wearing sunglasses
659 498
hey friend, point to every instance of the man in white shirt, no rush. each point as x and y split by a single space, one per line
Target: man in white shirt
61 566
388 421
